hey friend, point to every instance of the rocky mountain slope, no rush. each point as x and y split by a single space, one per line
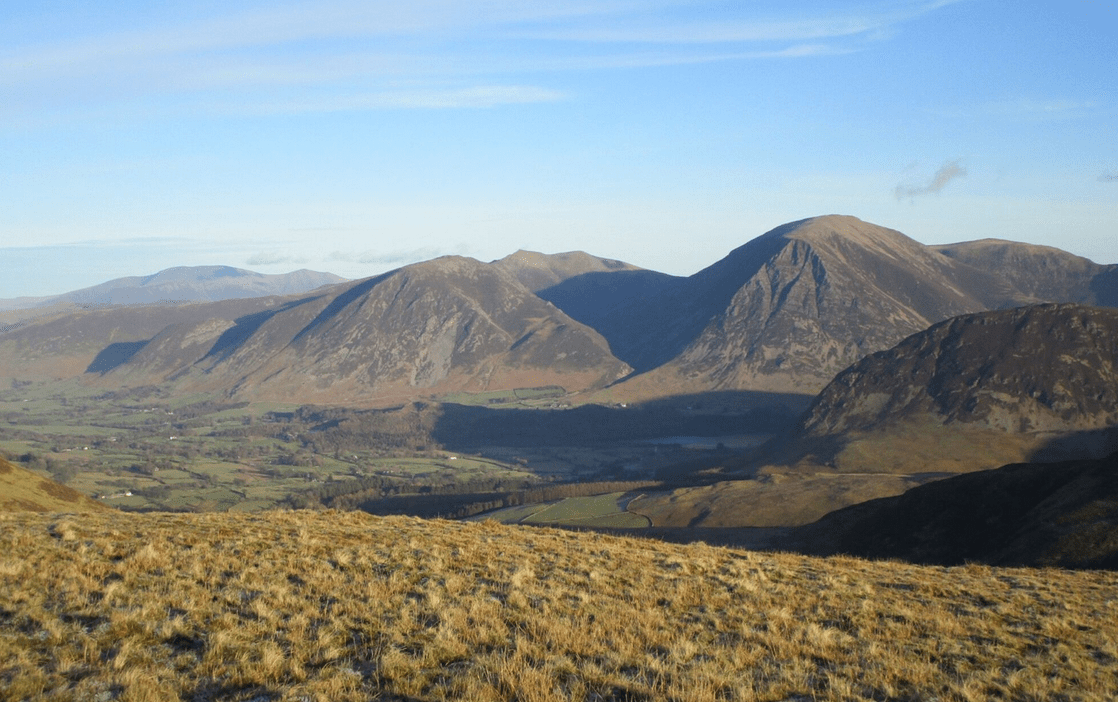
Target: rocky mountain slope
1036 514
791 308
445 325
1046 368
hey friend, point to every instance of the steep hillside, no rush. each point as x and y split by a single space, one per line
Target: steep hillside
24 491
344 606
445 325
788 310
1045 368
1039 514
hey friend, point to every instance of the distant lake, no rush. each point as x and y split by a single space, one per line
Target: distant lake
736 441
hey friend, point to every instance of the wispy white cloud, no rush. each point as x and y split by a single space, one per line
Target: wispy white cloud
944 175
1052 108
1028 108
738 26
450 53
396 256
273 258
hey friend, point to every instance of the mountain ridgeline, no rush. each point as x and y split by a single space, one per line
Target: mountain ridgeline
783 313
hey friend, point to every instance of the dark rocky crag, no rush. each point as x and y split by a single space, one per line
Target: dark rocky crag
1046 368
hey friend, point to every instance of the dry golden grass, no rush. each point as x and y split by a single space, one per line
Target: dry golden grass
24 491
344 606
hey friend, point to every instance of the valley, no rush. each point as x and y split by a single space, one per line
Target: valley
454 387
148 450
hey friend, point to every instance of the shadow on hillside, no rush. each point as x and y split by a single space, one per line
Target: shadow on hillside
705 414
1057 509
1095 443
244 327
341 301
1026 514
648 318
1105 288
115 355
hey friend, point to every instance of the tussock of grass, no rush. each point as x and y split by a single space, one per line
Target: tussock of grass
344 606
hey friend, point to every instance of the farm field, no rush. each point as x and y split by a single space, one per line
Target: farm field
143 449
606 510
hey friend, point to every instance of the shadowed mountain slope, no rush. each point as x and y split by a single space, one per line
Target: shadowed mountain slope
1036 514
972 393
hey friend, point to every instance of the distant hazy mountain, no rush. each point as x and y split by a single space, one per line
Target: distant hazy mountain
445 325
184 284
1047 514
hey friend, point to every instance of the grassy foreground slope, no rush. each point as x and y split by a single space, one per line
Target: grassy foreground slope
21 490
345 606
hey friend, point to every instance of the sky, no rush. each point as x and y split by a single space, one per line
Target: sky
359 136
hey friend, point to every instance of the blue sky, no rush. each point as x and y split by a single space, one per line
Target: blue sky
356 137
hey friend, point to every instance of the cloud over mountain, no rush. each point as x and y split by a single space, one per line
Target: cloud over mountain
947 172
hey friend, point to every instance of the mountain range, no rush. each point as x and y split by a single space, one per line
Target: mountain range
783 313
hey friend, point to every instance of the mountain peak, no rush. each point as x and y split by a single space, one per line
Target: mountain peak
538 271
